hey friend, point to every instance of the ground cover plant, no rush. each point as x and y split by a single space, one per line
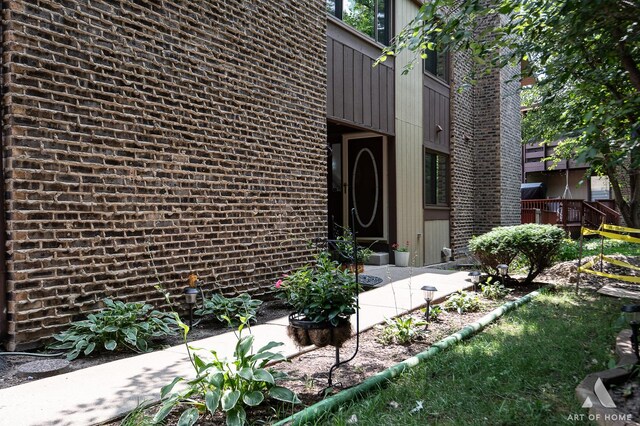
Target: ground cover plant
119 326
232 311
521 370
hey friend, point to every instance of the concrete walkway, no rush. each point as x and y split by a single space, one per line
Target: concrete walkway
97 394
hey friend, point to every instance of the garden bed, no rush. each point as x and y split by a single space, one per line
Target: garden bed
308 373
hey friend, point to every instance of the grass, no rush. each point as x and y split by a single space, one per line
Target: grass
570 248
521 370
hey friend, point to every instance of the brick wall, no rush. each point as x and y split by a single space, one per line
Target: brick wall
147 140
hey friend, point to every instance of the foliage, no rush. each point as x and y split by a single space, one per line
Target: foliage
523 355
434 312
227 385
119 325
139 417
398 247
321 292
570 249
360 15
401 330
585 57
344 245
233 311
462 302
493 289
538 244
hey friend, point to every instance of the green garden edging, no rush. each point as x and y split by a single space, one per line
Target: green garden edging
311 413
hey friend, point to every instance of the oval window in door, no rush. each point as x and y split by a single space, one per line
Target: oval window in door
365 177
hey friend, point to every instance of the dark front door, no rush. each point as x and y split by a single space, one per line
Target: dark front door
364 171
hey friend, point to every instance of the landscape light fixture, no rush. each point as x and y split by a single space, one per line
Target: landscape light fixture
502 270
428 292
475 279
632 314
191 296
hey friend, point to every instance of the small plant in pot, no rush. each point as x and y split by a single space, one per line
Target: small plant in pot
344 245
323 297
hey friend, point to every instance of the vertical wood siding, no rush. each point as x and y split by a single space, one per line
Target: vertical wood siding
357 92
409 129
437 232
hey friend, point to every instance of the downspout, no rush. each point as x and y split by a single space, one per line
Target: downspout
3 223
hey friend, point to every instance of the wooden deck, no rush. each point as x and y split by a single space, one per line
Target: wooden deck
569 214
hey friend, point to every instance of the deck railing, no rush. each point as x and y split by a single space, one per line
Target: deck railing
567 213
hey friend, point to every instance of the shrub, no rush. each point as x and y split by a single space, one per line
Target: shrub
568 250
344 247
231 310
434 312
539 244
119 325
462 301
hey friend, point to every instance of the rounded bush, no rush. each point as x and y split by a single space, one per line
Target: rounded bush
538 244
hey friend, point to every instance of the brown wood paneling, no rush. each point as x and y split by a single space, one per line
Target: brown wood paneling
436 114
330 89
338 79
349 83
436 213
359 93
358 105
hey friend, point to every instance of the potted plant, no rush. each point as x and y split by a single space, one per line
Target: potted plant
323 297
401 254
345 250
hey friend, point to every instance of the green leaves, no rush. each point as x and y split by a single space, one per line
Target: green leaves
189 417
212 399
119 326
229 399
234 311
283 394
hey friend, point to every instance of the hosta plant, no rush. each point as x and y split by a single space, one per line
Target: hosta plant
401 330
119 326
232 311
462 301
494 289
226 385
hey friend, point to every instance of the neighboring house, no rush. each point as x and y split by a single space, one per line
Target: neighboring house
566 179
144 141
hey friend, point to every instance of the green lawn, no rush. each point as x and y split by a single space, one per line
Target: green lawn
522 370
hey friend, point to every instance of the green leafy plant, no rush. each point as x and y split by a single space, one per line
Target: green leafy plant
226 385
537 244
345 246
322 293
401 330
462 301
434 312
493 289
119 326
231 310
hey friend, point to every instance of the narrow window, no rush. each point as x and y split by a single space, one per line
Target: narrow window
437 64
436 179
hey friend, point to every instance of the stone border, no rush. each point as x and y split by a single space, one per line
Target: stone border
598 413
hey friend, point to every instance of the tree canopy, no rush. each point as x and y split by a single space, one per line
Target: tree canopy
585 57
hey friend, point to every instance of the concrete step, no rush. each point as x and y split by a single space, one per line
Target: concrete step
378 258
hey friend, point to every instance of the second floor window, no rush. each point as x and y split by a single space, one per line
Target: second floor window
437 63
436 179
371 17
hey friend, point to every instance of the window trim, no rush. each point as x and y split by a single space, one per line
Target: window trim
388 17
433 207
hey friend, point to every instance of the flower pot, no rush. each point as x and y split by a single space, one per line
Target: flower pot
402 258
304 332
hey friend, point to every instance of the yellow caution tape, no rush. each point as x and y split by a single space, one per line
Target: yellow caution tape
620 229
620 263
626 278
611 235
